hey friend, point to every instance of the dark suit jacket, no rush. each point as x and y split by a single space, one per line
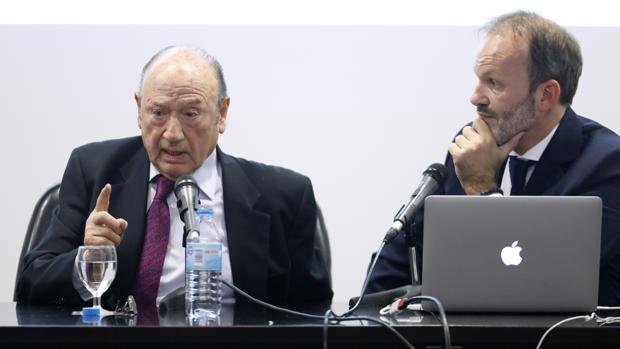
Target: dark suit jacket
270 217
582 159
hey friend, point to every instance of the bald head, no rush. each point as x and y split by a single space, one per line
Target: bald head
188 57
182 109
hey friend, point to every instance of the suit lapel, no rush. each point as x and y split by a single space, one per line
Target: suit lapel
128 200
564 147
247 229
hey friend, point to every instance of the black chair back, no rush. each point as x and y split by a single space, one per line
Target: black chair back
41 217
321 242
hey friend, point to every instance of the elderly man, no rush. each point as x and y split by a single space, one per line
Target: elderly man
111 191
528 69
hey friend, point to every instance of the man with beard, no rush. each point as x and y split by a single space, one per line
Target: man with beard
527 140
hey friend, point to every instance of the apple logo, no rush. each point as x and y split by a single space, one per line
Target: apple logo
510 254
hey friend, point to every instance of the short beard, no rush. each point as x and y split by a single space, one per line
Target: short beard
519 117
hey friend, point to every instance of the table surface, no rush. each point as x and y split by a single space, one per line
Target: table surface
252 326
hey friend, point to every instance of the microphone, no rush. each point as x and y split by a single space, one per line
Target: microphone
434 176
186 191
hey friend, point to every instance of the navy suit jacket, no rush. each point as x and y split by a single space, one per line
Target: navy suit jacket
582 159
270 215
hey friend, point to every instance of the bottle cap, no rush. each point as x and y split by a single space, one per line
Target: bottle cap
91 312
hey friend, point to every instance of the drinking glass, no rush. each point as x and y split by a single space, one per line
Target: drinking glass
96 267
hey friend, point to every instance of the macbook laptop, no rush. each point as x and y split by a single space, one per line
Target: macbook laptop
513 253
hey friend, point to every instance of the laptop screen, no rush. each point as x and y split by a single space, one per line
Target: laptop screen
513 253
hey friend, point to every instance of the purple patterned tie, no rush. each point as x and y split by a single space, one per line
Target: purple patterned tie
155 244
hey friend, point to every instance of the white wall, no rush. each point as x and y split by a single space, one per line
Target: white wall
362 110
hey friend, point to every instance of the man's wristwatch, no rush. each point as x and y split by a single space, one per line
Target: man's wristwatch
494 191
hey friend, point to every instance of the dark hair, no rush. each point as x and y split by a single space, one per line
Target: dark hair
170 50
554 53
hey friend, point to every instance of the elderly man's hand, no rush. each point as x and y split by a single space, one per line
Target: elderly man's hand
101 227
477 157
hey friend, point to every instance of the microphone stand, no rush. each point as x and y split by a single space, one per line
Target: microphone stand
410 229
410 232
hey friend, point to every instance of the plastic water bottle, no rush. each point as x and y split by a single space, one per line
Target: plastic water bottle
203 270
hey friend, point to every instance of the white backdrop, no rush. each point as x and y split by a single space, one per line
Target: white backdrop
362 110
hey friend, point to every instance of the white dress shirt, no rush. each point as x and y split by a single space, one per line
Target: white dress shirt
533 154
209 180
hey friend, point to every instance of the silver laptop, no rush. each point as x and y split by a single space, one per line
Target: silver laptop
512 254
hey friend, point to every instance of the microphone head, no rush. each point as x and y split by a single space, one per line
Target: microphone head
438 172
186 191
184 182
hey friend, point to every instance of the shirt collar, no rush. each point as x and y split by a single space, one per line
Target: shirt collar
536 151
206 176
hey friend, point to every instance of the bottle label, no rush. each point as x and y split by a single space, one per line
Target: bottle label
204 256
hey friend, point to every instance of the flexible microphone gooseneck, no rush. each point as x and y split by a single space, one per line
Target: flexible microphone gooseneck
434 176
